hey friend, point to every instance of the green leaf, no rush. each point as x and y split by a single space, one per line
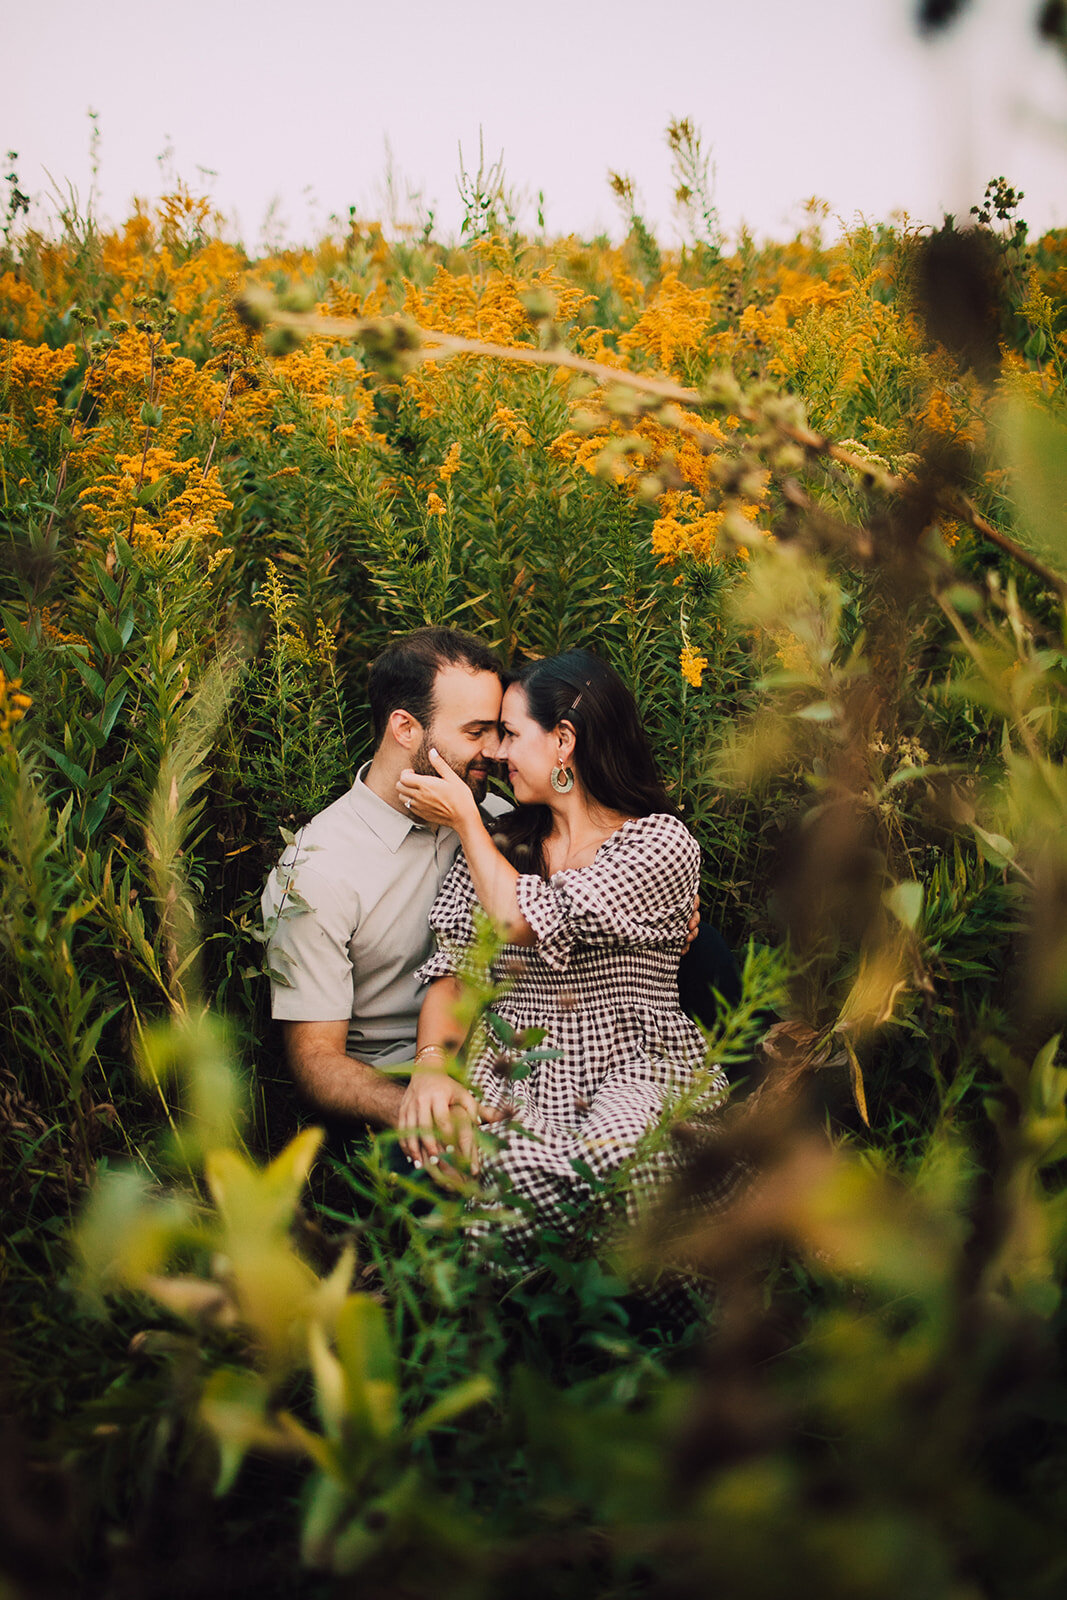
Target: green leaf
73 773
15 631
1037 451
234 1406
89 731
326 1502
905 901
997 850
108 586
855 1077
148 493
89 675
964 598
253 1200
378 1522
584 1170
108 636
113 707
503 1029
365 1350
461 1397
89 1040
909 774
97 809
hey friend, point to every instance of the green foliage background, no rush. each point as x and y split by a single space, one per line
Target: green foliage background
817 525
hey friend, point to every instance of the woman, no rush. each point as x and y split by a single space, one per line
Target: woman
592 879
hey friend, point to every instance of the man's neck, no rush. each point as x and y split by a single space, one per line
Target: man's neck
381 779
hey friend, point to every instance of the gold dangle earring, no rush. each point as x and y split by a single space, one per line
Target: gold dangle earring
561 778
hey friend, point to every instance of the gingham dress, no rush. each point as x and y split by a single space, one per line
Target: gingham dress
603 980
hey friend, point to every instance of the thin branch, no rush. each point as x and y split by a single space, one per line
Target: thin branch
817 444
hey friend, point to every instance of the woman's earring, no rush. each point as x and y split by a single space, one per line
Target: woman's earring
561 778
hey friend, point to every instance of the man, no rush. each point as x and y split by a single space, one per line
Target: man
346 910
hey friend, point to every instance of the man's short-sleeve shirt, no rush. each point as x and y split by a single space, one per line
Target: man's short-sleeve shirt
347 913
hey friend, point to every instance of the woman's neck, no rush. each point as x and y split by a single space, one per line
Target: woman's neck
579 827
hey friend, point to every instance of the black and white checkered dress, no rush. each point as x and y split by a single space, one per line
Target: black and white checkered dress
602 979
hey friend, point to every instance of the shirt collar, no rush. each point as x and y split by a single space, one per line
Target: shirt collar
391 826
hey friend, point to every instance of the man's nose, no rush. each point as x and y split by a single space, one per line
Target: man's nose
491 746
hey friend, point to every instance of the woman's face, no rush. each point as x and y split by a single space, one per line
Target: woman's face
529 751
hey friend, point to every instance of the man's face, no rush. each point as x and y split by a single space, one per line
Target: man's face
465 726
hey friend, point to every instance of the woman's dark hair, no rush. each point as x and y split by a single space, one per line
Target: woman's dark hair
611 750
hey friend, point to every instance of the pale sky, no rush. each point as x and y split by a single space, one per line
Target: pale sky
294 104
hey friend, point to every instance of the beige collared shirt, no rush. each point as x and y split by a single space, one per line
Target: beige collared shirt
347 916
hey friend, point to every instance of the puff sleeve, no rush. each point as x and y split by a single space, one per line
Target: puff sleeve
639 890
450 919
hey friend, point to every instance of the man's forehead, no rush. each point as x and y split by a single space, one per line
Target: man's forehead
461 694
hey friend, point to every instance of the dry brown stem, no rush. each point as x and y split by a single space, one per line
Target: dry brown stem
816 444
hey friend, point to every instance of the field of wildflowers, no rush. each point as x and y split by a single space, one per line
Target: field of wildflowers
808 497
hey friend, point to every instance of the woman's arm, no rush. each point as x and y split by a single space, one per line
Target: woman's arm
438 1028
437 1115
447 800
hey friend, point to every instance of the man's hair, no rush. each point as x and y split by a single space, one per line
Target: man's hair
402 678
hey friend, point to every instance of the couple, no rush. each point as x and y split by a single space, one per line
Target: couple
592 878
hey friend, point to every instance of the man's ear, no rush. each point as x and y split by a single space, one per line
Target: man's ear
406 730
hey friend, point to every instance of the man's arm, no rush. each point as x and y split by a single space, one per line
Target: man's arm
336 1083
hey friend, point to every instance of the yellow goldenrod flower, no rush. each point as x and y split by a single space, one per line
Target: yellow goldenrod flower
938 413
507 421
450 465
673 324
325 643
13 702
685 528
435 505
693 665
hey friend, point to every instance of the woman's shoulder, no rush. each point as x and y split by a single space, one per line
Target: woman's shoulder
660 830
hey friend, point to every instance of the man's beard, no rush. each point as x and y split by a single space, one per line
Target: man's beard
475 773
